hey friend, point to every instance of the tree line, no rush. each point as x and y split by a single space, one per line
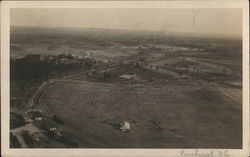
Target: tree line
43 66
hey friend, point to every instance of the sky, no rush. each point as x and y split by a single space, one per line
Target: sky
201 21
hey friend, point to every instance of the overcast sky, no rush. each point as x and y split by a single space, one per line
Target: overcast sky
222 21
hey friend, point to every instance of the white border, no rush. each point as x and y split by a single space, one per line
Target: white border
5 29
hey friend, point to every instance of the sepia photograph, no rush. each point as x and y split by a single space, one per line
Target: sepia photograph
126 78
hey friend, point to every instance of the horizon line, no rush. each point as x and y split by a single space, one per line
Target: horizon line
196 34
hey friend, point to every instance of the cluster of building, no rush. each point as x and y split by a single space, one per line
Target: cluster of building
56 59
168 48
48 125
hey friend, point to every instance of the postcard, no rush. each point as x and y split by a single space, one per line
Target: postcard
125 78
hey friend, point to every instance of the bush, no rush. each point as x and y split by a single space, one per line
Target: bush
57 120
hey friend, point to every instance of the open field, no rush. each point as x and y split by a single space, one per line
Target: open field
160 116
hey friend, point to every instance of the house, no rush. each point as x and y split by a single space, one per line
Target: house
35 115
51 128
125 126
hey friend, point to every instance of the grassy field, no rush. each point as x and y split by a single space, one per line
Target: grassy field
160 116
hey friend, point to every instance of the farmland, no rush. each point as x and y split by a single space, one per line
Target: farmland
176 91
181 116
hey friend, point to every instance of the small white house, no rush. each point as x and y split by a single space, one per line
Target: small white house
125 126
39 118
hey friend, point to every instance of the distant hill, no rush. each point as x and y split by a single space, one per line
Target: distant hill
112 32
53 40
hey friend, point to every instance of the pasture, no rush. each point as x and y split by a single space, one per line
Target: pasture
160 116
